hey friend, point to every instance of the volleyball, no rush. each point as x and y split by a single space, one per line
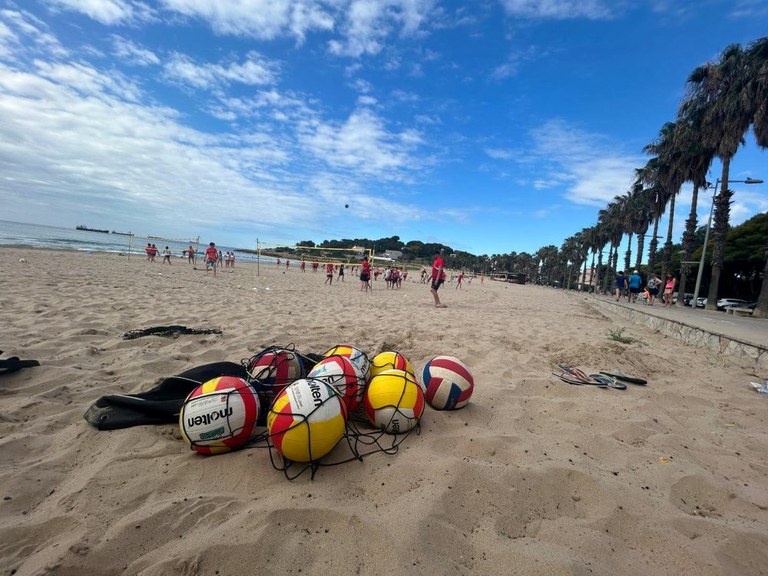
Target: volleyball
342 374
389 360
219 415
276 367
447 382
306 420
394 401
357 356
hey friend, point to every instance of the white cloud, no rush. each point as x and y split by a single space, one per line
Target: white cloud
368 23
586 166
254 70
132 53
262 19
558 9
88 81
104 153
500 154
109 12
22 34
363 144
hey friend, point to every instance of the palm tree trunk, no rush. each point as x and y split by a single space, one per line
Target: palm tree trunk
720 229
761 310
628 255
599 267
653 246
688 245
666 258
640 248
592 276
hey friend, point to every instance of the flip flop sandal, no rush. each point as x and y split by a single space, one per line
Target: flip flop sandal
578 382
577 374
609 381
624 377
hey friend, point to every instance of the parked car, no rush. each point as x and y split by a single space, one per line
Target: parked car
745 306
701 302
724 302
687 297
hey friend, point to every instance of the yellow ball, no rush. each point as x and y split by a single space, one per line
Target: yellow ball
390 360
306 420
394 401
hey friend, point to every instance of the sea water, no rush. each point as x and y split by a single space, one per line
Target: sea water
54 237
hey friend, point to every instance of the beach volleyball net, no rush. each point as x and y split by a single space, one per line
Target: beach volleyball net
347 255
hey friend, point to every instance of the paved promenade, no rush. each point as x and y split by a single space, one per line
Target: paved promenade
741 336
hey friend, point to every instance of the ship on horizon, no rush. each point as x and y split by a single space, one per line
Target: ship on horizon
123 233
86 229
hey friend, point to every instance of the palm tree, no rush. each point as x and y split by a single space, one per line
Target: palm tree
585 245
612 218
601 239
696 160
718 103
757 55
668 173
656 201
642 216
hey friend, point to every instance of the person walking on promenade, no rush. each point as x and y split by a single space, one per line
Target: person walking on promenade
634 282
669 288
621 285
653 288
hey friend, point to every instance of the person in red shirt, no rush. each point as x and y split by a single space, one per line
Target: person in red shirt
438 277
365 275
329 273
211 257
191 255
459 279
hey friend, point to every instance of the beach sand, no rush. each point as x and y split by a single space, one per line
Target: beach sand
534 476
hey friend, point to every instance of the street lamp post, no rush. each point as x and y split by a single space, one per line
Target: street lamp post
700 271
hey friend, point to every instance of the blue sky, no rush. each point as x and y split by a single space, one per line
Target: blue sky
490 126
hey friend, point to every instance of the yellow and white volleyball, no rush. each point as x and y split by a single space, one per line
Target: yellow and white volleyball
356 355
341 373
394 401
219 415
306 420
389 360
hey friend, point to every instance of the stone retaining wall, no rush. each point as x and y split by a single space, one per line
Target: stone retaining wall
691 334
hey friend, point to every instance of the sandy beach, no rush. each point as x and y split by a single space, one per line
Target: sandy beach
533 477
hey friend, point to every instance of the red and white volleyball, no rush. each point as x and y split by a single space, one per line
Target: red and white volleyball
448 384
276 367
341 373
219 415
